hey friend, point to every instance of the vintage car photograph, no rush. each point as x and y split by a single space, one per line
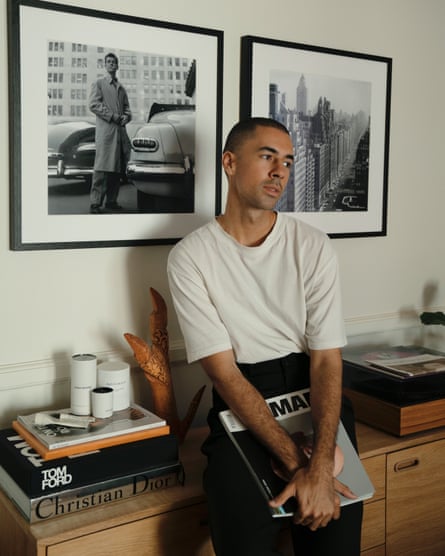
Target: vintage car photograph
162 160
160 174
71 150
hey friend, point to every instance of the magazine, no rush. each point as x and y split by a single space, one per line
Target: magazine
375 358
417 365
100 493
293 411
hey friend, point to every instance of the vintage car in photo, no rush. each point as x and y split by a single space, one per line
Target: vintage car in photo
71 150
162 160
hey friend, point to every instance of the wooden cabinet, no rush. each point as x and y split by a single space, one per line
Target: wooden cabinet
161 534
405 516
415 501
373 529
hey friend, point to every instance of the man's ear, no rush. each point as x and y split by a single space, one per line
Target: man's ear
228 162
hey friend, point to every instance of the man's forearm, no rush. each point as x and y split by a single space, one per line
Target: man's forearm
249 405
326 381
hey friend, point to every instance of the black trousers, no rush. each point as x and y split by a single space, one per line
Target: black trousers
240 521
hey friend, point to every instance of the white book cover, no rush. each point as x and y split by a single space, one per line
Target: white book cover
293 411
133 419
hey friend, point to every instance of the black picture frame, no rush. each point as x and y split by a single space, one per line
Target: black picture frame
336 105
48 42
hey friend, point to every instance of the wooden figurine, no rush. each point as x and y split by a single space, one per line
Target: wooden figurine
154 361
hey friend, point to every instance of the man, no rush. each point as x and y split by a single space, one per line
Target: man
109 101
257 298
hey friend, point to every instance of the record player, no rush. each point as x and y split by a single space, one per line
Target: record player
399 405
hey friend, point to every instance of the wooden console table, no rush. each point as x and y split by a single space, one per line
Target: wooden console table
405 517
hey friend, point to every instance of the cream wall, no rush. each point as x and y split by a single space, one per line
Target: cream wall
54 303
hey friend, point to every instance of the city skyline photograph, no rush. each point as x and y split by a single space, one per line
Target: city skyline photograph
345 95
328 119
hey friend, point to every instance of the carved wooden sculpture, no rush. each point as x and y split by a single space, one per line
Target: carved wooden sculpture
154 361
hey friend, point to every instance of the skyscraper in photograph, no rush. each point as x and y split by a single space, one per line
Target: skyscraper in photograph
302 97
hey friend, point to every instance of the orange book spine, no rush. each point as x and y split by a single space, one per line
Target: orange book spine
75 449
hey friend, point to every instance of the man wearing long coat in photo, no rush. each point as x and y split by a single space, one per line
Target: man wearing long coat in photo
109 101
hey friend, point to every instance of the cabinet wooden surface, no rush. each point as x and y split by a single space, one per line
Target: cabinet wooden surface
176 532
415 501
405 516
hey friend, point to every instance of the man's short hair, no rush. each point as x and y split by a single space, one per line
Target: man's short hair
245 128
112 55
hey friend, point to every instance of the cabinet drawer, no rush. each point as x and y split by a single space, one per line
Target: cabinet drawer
415 501
182 532
376 469
373 528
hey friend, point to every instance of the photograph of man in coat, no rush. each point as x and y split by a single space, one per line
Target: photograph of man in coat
109 102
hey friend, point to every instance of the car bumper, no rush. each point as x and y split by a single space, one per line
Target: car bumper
164 180
69 172
141 169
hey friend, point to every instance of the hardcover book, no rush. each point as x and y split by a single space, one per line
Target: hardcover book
293 411
94 495
53 441
38 477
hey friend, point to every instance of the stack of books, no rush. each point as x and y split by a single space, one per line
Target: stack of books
51 470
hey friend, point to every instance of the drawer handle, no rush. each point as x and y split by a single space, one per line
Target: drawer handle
406 464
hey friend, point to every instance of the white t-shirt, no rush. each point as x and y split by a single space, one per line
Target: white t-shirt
263 302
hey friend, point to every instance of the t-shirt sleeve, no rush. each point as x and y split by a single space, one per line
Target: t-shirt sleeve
203 331
325 324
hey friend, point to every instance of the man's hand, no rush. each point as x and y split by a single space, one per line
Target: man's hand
317 497
313 486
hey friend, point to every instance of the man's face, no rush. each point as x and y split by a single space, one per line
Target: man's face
259 170
111 64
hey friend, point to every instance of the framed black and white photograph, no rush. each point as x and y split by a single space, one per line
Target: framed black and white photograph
115 127
336 106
